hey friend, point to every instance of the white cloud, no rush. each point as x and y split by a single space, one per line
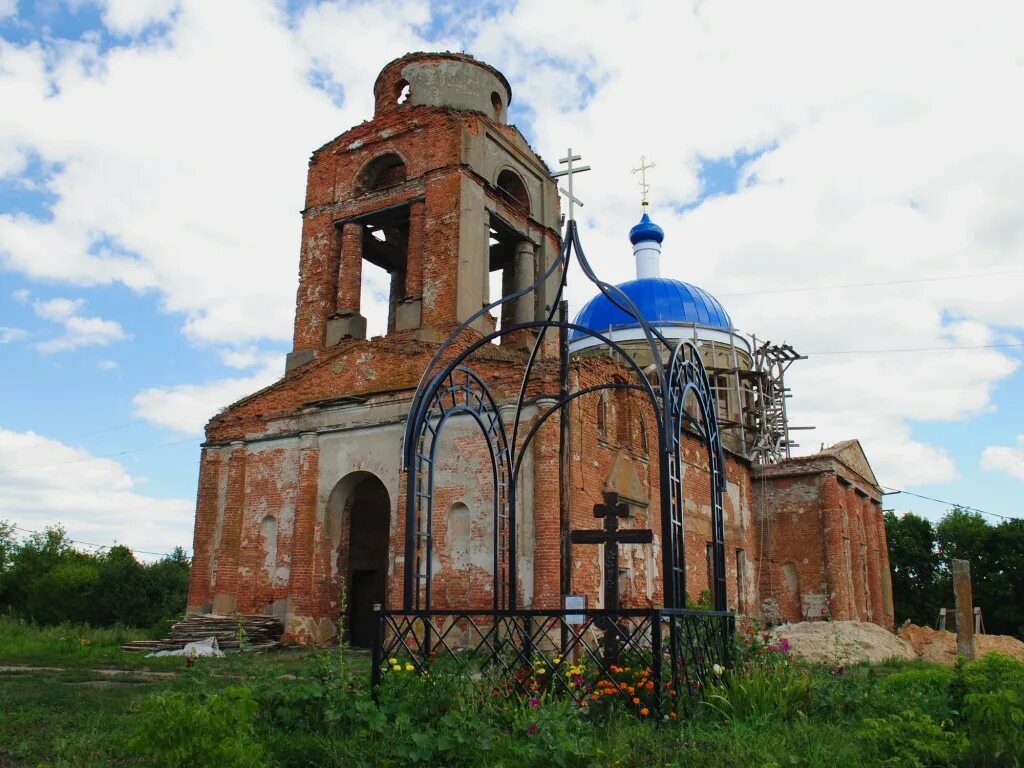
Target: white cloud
7 335
181 162
187 407
1005 458
21 295
44 481
881 159
131 16
888 151
107 365
79 331
8 8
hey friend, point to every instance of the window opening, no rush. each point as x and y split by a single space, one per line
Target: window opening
381 172
402 91
513 190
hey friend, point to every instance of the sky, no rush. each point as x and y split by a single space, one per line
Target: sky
844 177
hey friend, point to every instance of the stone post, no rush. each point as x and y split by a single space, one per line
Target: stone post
964 608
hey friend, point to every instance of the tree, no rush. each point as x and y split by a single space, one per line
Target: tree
915 567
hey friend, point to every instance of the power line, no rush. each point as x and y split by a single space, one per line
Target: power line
1015 345
98 546
79 437
873 284
895 491
5 470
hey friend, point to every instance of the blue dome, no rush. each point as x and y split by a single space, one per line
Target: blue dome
661 301
646 229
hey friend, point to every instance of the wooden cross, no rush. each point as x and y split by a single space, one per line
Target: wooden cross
644 186
568 161
612 537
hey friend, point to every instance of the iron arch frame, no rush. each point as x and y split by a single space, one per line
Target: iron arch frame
448 377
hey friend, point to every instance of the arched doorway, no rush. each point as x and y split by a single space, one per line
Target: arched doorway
360 511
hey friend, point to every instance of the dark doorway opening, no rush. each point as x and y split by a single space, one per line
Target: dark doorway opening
369 515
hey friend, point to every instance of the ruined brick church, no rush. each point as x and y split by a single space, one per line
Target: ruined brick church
301 498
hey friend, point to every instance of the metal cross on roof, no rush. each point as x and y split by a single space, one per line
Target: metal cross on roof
568 160
644 186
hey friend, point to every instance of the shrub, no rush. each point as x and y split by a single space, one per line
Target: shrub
911 739
180 730
995 726
926 690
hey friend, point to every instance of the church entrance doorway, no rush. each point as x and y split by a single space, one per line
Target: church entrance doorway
363 553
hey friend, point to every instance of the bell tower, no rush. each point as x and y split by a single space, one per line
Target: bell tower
438 190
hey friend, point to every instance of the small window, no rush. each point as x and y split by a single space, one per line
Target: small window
645 445
602 415
512 188
496 103
402 91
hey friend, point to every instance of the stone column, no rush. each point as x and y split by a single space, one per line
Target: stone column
964 608
524 264
299 623
346 321
225 592
200 597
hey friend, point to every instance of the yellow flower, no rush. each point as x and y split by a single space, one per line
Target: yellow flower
556 661
397 668
541 671
409 667
392 661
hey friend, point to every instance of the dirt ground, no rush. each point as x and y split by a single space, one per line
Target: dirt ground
842 642
940 645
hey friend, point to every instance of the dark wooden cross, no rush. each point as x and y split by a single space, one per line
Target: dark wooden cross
612 537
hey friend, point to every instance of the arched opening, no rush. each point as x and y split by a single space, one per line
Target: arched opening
384 171
513 189
359 520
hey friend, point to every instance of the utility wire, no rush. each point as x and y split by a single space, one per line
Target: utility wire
5 470
895 491
84 434
98 546
872 284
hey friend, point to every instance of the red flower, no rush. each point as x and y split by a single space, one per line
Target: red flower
532 729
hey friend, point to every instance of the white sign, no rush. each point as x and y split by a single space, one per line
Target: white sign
574 603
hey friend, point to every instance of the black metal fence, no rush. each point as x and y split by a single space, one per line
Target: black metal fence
657 661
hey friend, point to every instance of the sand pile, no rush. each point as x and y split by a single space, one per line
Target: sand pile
940 645
842 642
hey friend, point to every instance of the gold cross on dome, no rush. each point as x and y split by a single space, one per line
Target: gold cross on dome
571 169
644 186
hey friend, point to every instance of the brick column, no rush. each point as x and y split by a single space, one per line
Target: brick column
299 623
200 597
887 617
414 257
318 265
832 537
225 592
548 551
350 270
870 514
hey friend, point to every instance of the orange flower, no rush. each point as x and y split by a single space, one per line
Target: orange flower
645 711
636 700
671 714
650 685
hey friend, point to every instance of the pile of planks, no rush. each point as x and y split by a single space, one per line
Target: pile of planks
257 633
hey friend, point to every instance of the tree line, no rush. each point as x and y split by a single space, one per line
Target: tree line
920 552
43 578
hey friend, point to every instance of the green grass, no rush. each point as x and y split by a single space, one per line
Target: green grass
313 710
